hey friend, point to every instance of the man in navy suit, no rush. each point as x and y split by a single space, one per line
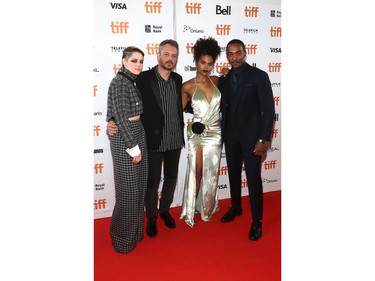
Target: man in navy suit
248 111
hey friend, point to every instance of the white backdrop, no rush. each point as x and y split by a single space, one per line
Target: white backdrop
145 24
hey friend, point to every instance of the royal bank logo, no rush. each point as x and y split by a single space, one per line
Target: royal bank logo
192 30
153 28
275 14
99 186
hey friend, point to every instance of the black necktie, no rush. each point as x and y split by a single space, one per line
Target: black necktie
234 81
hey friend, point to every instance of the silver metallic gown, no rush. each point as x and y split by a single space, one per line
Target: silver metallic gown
206 203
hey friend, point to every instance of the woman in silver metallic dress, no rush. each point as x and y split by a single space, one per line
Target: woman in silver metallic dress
204 135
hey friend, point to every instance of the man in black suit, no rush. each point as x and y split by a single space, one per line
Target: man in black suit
163 122
248 111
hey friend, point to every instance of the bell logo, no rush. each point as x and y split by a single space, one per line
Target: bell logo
98 168
274 67
100 204
251 12
225 12
119 27
152 49
251 49
95 90
223 29
193 8
270 164
153 7
96 130
275 31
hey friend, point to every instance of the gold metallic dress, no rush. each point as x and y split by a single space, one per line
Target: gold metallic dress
206 203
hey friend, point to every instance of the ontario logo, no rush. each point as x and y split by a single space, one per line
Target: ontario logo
192 30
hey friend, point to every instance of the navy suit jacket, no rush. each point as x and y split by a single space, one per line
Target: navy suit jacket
153 116
253 111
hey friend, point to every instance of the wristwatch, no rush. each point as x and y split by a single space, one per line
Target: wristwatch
262 141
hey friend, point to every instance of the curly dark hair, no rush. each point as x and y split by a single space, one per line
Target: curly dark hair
206 46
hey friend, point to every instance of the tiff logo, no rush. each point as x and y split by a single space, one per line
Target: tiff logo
152 49
116 68
98 168
251 12
219 66
223 170
95 90
193 8
268 165
223 29
100 204
119 27
276 100
189 48
96 130
274 133
118 5
274 67
153 7
275 31
225 12
251 49
244 183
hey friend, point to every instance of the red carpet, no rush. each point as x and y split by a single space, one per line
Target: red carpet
209 251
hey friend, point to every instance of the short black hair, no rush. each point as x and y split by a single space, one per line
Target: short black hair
206 46
236 41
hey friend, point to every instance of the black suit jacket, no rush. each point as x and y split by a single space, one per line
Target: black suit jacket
152 116
252 113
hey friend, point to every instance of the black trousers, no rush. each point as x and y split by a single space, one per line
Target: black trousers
169 161
237 154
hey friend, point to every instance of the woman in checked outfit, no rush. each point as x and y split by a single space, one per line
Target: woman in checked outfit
129 153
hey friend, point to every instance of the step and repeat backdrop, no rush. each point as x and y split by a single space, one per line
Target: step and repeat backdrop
118 24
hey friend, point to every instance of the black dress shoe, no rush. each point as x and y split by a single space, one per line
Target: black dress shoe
168 220
151 229
255 230
231 214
